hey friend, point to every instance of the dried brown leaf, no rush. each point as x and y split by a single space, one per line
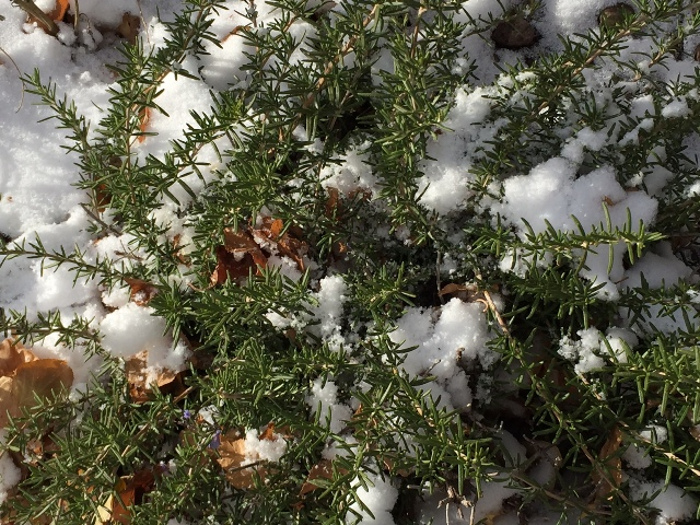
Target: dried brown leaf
610 478
32 379
232 459
144 119
12 355
137 374
141 292
59 10
129 27
239 254
323 470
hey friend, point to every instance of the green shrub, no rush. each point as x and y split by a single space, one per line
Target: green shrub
297 239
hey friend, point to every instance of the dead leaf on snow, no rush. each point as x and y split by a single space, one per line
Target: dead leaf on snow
141 380
59 10
46 20
232 459
241 468
141 292
287 243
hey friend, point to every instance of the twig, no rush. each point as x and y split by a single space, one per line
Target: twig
19 72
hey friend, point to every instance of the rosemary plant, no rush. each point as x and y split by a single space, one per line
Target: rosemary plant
379 81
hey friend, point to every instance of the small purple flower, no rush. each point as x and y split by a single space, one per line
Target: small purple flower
216 440
186 414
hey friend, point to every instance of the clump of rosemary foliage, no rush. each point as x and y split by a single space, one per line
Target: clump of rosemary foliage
254 374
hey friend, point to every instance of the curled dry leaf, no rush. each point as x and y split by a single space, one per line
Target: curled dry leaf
59 10
47 21
239 254
12 355
141 380
25 377
246 250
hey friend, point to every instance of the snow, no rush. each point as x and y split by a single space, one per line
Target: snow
377 496
323 400
458 335
672 503
131 329
38 198
257 449
552 195
10 475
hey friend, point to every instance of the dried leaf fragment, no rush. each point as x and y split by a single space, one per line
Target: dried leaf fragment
239 254
12 355
610 478
141 379
232 459
323 470
144 119
141 292
128 491
287 244
129 27
59 10
240 466
24 378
